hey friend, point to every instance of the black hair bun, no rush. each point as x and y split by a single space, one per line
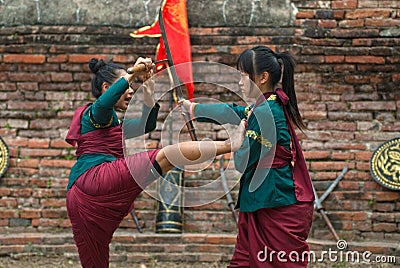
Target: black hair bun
95 65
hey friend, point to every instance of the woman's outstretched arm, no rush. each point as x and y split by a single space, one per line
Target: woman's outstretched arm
220 113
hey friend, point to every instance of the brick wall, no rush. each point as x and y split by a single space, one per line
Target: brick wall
350 92
348 87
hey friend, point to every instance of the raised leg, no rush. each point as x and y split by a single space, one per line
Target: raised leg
195 152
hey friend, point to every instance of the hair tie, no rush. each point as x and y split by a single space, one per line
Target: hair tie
100 64
95 65
279 58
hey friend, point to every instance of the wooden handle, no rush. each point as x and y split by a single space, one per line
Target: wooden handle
136 69
142 67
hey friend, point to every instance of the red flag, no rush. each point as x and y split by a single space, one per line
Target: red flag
177 30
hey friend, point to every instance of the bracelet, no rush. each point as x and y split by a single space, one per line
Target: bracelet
191 110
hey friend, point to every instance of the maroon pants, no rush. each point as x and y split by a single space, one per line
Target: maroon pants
273 237
100 199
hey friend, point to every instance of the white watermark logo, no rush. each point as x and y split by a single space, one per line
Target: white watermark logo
331 255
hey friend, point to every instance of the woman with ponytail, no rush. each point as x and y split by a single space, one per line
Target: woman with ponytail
275 195
101 188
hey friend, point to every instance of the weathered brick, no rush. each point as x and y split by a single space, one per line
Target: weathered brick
9 213
345 146
52 202
324 14
38 143
348 216
367 3
315 115
83 58
398 104
334 59
16 123
344 68
29 77
365 59
39 152
327 23
24 58
382 217
363 226
30 86
32 163
346 4
126 59
11 96
40 133
355 205
320 135
19 105
220 239
22 192
57 58
353 33
351 23
387 196
30 213
349 185
61 77
324 165
54 213
363 156
8 202
46 222
368 13
57 163
59 144
305 14
328 125
375 105
342 156
5 191
381 22
362 42
49 124
48 193
384 227
16 141
384 207
311 155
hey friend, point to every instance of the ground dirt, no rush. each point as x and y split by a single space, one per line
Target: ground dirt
63 262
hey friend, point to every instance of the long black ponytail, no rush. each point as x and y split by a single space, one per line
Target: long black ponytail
288 87
263 59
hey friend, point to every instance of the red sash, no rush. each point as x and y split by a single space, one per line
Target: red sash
282 157
74 131
101 141
301 177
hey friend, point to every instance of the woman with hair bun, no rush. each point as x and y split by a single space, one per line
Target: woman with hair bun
101 189
275 195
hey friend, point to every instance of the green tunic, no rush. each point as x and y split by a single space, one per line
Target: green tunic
268 119
102 114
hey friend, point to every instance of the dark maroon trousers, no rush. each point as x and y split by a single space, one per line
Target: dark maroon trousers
100 199
273 237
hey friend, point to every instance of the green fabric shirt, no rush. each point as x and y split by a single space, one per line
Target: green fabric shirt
266 127
102 114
